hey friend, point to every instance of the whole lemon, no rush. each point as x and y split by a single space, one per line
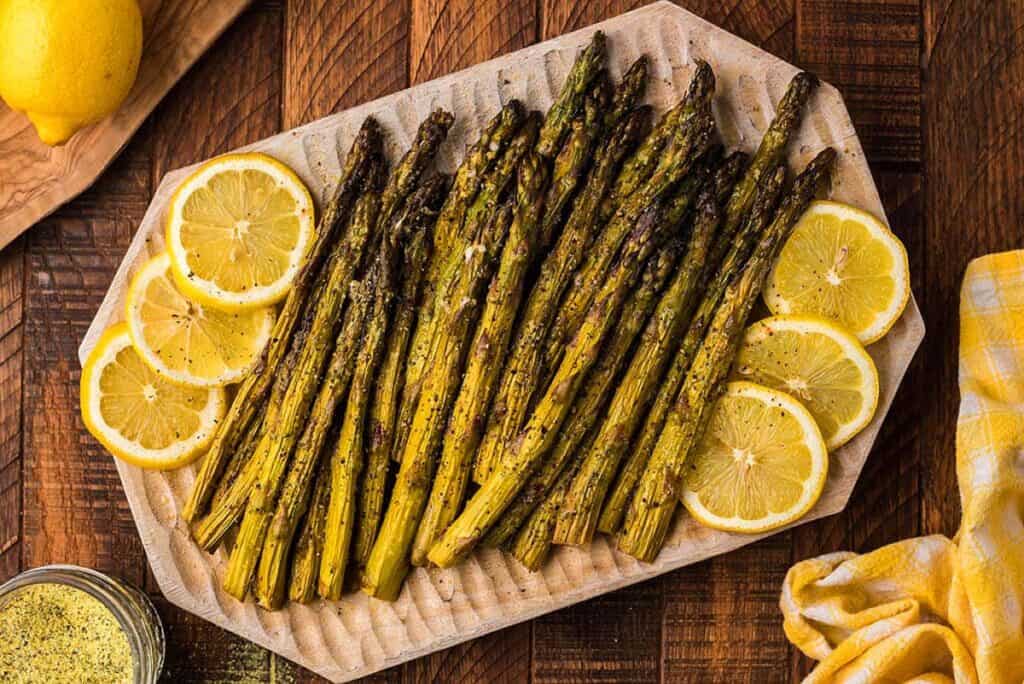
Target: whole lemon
68 63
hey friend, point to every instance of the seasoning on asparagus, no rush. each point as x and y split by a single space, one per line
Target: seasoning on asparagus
384 405
486 359
478 214
309 548
739 249
258 491
541 430
593 396
639 167
573 159
280 439
577 518
532 542
348 456
388 562
367 148
570 99
522 367
770 153
652 508
689 143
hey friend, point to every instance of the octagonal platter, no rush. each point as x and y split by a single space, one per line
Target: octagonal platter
358 635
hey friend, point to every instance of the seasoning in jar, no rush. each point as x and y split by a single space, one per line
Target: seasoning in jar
54 633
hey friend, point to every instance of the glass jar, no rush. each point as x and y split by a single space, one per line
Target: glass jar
132 609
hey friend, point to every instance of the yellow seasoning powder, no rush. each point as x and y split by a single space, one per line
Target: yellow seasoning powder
54 633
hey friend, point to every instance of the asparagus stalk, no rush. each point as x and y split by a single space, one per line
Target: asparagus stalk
486 359
522 369
407 173
532 543
573 159
477 215
770 153
275 449
541 430
347 459
310 545
629 92
652 508
270 579
241 457
384 405
570 99
578 514
480 157
388 562
691 141
367 148
639 167
738 251
259 490
589 405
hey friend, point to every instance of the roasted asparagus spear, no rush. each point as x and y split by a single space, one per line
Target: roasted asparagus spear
570 99
690 141
541 430
480 211
384 405
388 562
310 546
730 249
486 359
632 397
593 396
367 148
652 508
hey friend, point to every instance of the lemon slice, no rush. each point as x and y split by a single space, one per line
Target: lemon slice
137 414
188 343
845 265
761 463
818 363
237 230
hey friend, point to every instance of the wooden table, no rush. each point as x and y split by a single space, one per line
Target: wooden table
936 88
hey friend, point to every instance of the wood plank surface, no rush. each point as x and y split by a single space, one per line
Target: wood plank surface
936 90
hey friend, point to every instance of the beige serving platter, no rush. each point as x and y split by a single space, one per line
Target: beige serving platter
358 635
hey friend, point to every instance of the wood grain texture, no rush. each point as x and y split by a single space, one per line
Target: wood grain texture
340 54
74 510
448 35
974 142
12 284
37 178
934 88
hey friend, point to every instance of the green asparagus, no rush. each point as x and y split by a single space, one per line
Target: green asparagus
388 562
522 368
570 99
652 508
367 148
486 359
541 430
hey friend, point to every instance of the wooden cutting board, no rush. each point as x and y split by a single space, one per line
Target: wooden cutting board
35 178
358 635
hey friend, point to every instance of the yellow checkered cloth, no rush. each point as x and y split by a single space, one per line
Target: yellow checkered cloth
934 609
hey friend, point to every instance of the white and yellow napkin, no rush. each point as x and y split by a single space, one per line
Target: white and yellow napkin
934 609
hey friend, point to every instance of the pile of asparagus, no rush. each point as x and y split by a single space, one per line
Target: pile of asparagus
516 356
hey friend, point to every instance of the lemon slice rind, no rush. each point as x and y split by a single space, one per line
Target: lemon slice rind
884 319
177 454
813 485
854 352
244 359
204 290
